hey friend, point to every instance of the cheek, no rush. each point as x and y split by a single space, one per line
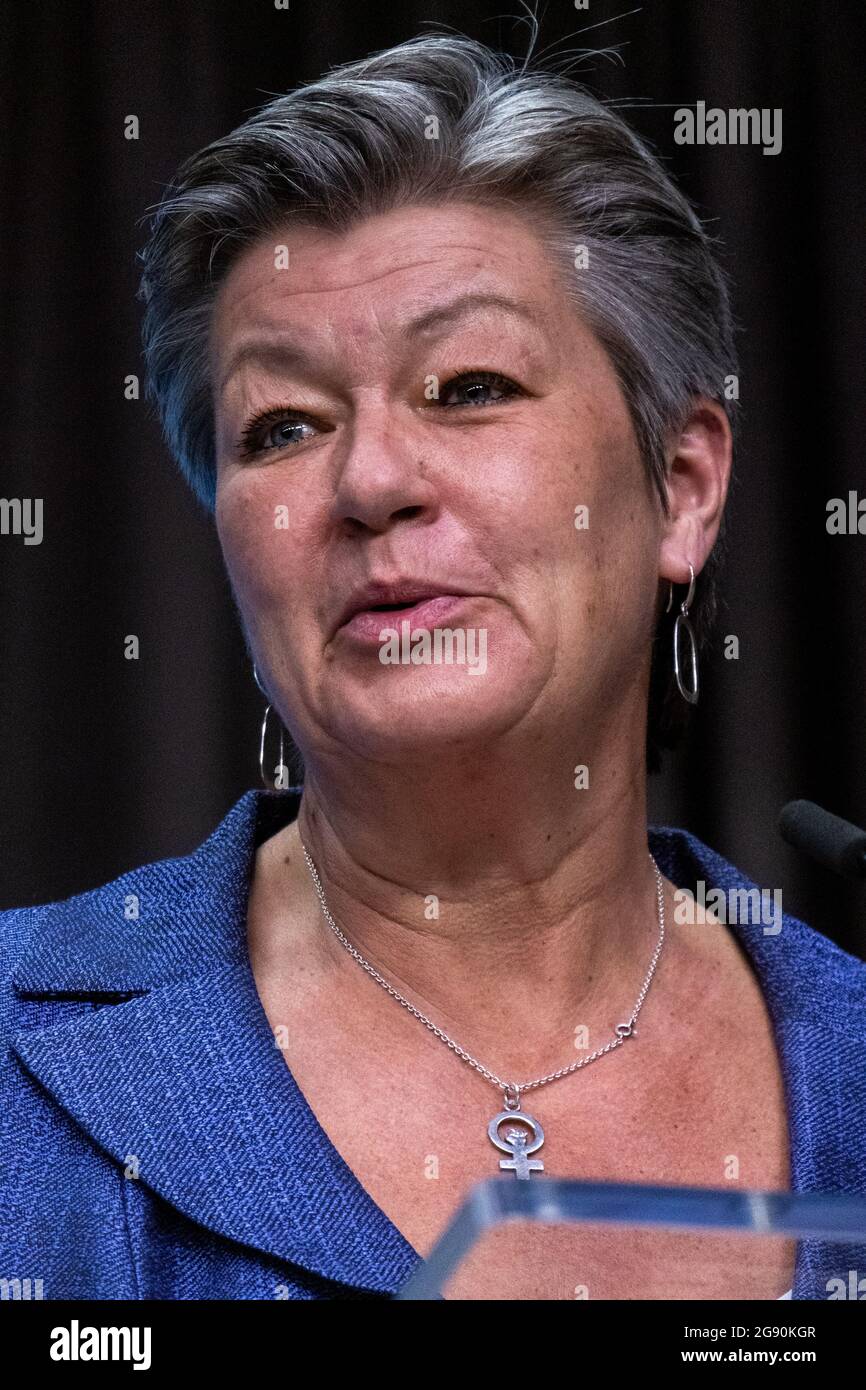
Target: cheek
598 530
256 540
581 474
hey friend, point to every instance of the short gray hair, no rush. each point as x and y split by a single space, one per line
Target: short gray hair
357 142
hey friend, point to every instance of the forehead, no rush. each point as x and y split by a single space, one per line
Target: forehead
390 262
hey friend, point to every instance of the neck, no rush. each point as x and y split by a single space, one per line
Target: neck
506 908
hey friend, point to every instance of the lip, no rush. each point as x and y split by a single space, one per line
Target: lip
366 626
406 592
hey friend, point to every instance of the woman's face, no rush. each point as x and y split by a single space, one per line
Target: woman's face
359 473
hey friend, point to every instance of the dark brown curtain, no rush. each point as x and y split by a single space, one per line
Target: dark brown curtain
108 763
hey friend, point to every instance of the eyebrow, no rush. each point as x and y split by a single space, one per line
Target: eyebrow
271 351
449 313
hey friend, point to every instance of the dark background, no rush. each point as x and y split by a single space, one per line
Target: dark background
109 763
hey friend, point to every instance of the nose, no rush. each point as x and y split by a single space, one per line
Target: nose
383 478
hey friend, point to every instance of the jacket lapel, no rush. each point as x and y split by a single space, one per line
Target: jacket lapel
186 1076
189 1082
816 997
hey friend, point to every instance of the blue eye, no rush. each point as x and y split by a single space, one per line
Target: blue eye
270 430
274 429
478 382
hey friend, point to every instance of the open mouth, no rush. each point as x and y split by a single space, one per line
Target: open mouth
396 607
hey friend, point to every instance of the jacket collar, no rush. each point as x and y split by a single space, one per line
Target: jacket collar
186 1076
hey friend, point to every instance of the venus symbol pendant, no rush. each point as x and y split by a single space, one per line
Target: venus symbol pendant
517 1143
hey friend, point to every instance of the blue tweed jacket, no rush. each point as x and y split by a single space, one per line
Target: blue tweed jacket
153 1143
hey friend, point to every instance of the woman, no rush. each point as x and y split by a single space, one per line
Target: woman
447 356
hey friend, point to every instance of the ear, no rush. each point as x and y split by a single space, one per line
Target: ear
698 474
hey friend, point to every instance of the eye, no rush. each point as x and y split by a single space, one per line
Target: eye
272 429
278 427
479 383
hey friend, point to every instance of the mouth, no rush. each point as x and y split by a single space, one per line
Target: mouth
366 624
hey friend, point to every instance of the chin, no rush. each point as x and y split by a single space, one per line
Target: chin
400 712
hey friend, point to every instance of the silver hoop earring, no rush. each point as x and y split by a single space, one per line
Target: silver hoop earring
689 693
282 772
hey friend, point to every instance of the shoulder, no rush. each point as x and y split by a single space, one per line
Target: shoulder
65 959
804 973
162 921
152 924
16 929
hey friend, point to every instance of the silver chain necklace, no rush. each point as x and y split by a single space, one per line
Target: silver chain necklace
517 1143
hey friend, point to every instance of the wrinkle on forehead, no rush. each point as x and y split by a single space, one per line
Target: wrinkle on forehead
337 286
332 258
511 260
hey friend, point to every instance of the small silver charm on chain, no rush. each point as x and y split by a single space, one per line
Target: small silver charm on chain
517 1143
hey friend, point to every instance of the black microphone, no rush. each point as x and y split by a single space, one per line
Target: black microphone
834 842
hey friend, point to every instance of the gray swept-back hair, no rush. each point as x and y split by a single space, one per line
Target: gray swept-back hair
358 142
